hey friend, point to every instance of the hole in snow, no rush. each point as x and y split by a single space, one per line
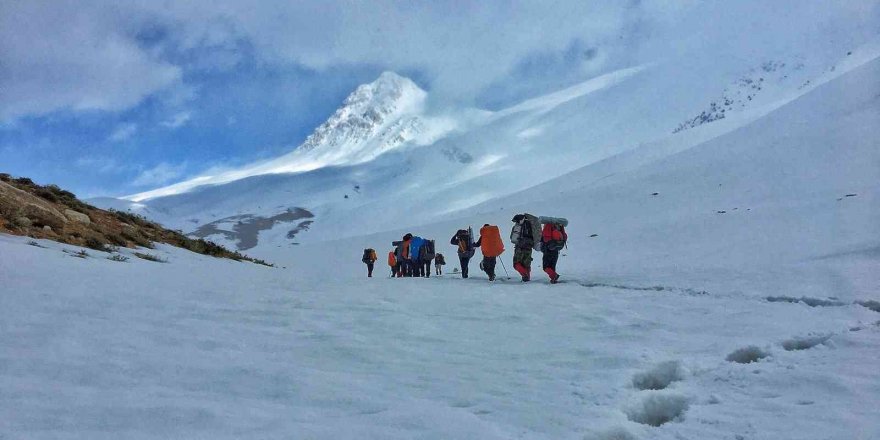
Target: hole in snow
658 409
659 377
747 355
804 343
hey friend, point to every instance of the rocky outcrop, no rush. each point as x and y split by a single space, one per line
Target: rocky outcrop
28 210
77 216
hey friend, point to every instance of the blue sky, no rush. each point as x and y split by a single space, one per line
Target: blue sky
112 98
223 119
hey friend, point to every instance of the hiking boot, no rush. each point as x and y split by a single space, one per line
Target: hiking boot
525 279
555 279
492 278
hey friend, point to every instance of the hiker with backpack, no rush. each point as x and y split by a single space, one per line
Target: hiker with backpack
553 238
392 262
406 255
525 236
439 262
491 246
426 256
398 258
464 241
418 265
369 259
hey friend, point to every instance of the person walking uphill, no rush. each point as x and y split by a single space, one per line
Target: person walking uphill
397 270
415 250
463 239
369 259
491 246
553 238
439 262
525 236
392 262
406 255
426 256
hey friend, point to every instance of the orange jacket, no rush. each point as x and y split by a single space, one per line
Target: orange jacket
405 251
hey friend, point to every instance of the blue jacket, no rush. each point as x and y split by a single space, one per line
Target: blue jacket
415 245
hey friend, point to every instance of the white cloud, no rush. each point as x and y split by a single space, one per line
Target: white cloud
123 132
178 120
94 54
72 55
160 174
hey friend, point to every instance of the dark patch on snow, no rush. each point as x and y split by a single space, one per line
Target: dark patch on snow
458 155
659 377
804 343
684 290
870 304
659 409
747 355
812 302
302 226
246 227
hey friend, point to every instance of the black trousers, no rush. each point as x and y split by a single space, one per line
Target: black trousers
427 268
369 269
489 266
407 268
464 265
549 260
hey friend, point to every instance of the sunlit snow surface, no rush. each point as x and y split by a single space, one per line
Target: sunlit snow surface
718 283
205 348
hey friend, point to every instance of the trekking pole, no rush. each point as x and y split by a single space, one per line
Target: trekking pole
505 269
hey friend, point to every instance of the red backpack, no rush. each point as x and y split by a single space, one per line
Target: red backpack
553 237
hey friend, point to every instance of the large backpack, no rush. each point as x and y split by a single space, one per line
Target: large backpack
440 260
466 242
429 251
526 231
392 259
369 256
490 241
553 237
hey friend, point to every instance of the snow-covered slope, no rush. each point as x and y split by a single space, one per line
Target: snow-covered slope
381 158
719 282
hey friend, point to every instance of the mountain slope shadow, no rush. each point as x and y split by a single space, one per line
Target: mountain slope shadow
246 227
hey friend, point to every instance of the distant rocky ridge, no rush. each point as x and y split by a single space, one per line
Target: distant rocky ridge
50 212
746 89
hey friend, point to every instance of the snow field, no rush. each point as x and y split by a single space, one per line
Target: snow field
205 348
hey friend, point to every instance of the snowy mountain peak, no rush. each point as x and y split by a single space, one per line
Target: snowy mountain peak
390 102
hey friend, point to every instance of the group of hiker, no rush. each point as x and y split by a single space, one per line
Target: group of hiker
412 256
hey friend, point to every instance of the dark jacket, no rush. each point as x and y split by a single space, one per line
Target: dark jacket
460 240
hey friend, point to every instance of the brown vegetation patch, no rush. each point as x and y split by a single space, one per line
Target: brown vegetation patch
37 211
